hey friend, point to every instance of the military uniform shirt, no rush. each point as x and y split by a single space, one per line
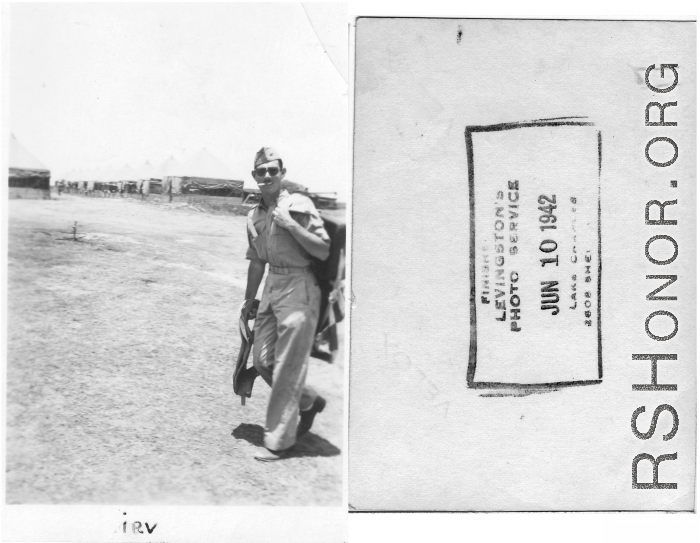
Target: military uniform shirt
274 244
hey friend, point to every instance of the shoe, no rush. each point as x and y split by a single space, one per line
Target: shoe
306 418
268 455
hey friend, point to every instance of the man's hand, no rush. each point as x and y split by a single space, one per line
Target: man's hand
314 245
282 218
250 309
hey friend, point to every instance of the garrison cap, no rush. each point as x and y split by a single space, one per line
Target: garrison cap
266 154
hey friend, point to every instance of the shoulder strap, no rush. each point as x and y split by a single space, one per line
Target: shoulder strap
251 225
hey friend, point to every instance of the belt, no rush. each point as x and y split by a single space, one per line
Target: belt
289 271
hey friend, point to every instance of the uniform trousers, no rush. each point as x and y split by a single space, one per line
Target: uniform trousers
284 333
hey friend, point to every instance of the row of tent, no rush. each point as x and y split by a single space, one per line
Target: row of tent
202 171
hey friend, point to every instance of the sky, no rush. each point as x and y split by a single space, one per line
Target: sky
101 85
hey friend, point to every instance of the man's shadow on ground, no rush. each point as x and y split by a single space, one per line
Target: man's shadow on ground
310 445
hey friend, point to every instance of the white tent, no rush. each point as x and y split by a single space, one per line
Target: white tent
168 167
106 175
125 173
28 177
149 176
113 173
20 158
92 174
146 171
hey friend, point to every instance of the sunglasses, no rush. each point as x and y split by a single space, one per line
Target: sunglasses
260 172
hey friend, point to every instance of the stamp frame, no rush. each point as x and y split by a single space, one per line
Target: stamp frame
473 338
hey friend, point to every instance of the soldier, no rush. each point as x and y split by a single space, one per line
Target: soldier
284 231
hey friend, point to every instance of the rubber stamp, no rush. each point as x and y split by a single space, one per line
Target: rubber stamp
535 254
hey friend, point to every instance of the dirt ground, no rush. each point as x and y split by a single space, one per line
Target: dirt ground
120 356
